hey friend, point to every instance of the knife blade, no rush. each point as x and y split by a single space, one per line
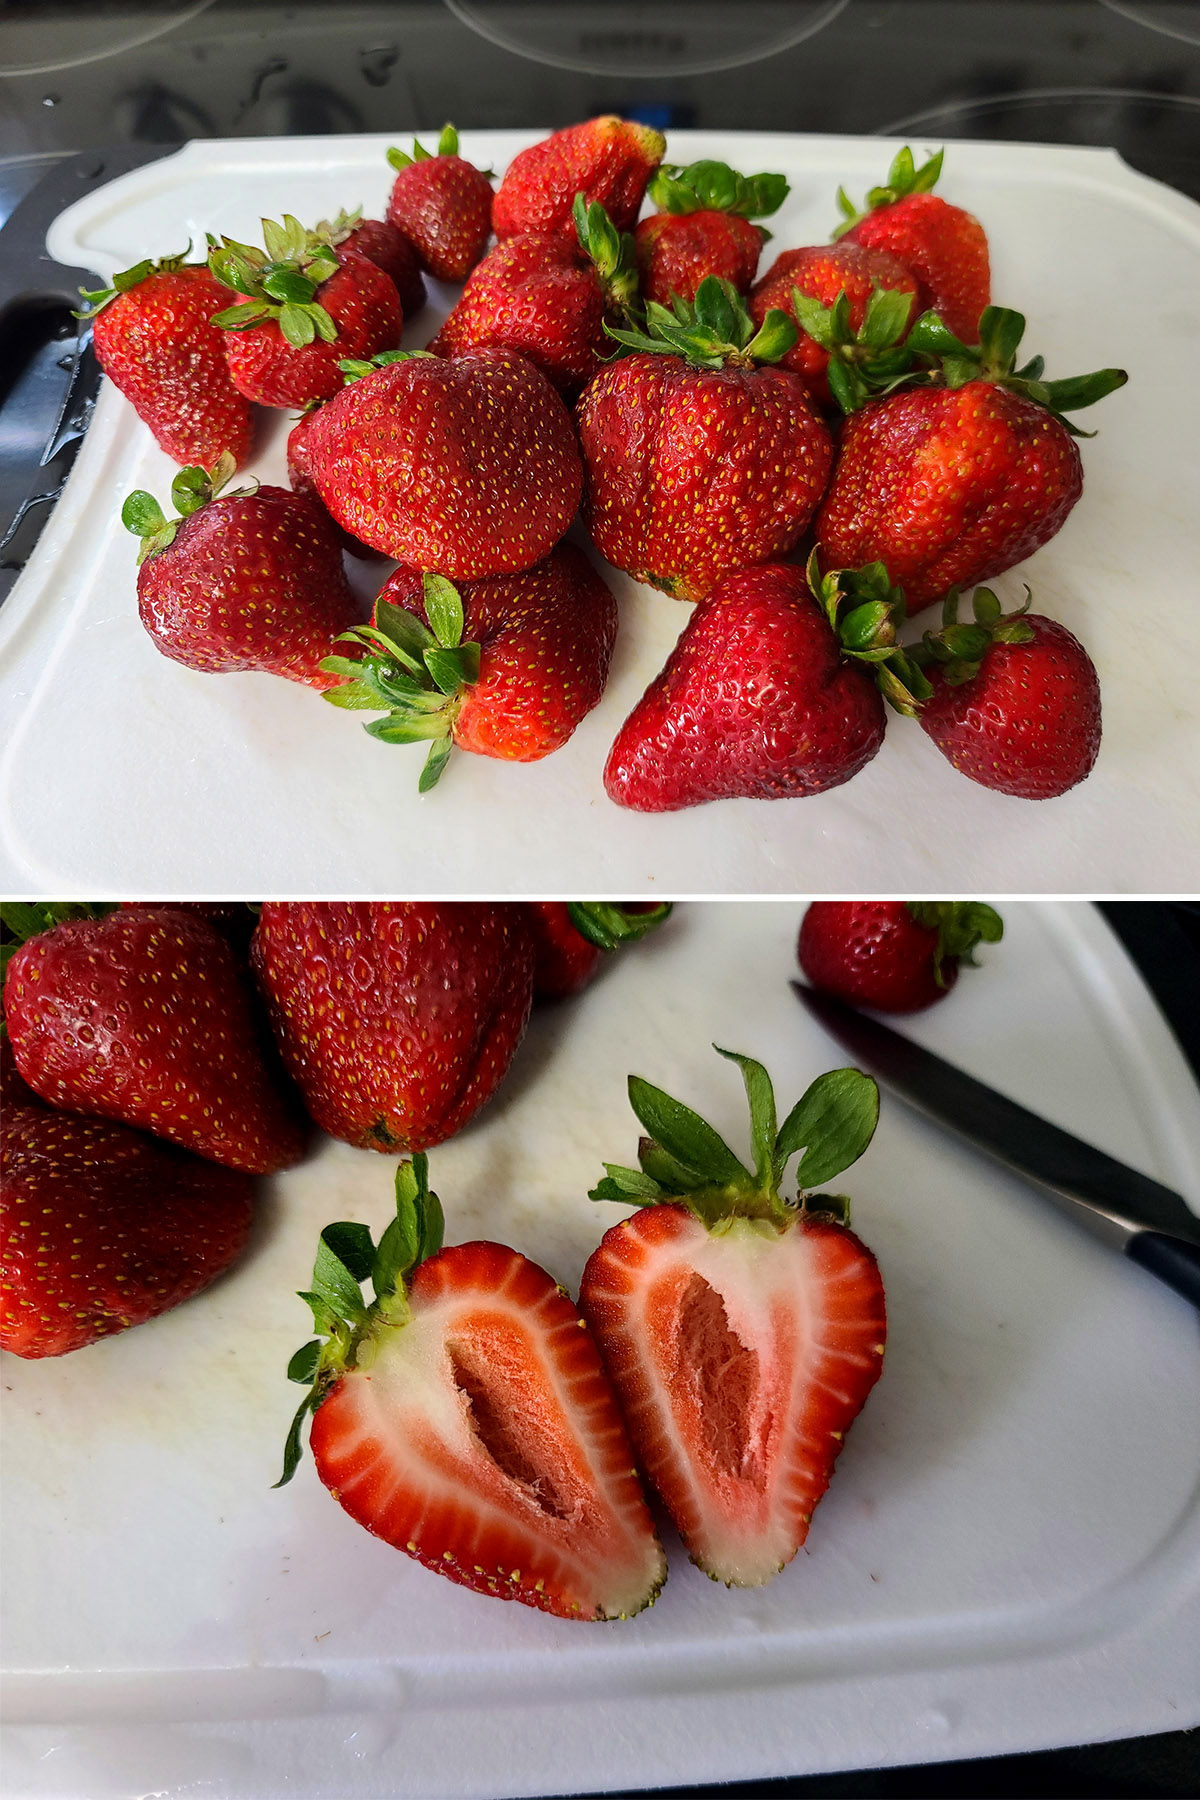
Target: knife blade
1150 1223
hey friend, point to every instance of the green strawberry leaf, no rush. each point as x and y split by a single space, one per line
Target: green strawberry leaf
303 1366
142 514
761 1096
833 1122
608 924
443 609
333 1279
451 669
684 1135
293 1448
435 762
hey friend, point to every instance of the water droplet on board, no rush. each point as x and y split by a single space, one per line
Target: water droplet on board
371 1738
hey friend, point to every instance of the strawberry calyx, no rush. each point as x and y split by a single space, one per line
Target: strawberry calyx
903 178
959 650
951 363
610 923
335 231
98 298
711 330
191 489
447 146
865 612
347 1256
960 925
354 368
684 1162
863 362
416 674
611 252
708 186
280 283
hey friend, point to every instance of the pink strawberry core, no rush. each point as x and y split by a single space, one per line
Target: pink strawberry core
510 1437
727 1377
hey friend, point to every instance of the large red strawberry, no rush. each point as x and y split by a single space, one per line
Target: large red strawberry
443 205
305 308
572 936
248 580
506 668
742 1331
1015 701
953 482
154 339
945 247
386 246
606 159
548 298
144 1016
892 955
463 1416
808 286
700 461
467 466
102 1227
703 228
398 1019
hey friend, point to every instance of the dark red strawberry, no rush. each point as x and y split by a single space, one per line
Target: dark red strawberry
834 328
700 462
468 466
1015 700
306 307
153 337
572 936
742 1331
300 481
384 245
250 580
945 247
507 668
233 919
703 228
443 206
398 1019
464 1417
143 1016
102 1227
893 955
950 483
606 159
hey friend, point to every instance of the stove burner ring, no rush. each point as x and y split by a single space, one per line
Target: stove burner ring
94 37
1150 14
964 109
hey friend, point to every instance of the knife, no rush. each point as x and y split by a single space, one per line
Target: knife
1148 1222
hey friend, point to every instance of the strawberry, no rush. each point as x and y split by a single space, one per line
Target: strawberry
251 580
234 920
397 1019
469 466
808 286
944 247
742 1331
300 480
893 955
606 159
142 1016
547 298
102 1227
1015 702
571 937
443 206
703 228
463 1416
153 337
956 481
384 245
534 662
699 461
307 307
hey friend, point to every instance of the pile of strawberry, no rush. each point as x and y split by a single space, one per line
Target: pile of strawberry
861 403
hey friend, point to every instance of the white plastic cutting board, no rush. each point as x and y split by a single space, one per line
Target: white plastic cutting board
1008 1558
125 772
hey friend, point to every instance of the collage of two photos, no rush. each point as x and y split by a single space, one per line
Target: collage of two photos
599 853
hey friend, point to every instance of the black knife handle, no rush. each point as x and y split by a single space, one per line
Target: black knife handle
1171 1259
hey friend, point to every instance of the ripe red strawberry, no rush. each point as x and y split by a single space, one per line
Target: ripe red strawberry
153 337
251 580
1015 702
757 700
443 206
893 955
606 159
699 461
571 937
143 1016
951 483
468 466
703 228
548 299
507 668
464 1417
300 480
822 273
398 1019
102 1227
742 1332
307 307
945 247
384 245
234 920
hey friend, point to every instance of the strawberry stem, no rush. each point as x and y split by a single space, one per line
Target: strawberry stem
712 330
708 186
903 178
610 923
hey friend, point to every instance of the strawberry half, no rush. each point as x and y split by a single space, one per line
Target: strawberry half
742 1332
463 1416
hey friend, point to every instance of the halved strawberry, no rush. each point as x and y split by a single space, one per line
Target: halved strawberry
742 1332
464 1416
